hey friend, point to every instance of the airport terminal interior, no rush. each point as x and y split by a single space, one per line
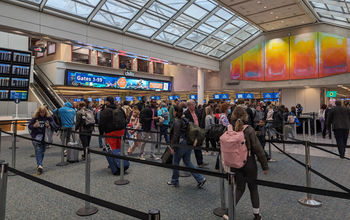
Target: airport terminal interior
174 109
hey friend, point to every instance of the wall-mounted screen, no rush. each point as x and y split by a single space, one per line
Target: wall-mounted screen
96 80
244 96
118 99
155 97
23 95
221 96
129 98
331 94
271 95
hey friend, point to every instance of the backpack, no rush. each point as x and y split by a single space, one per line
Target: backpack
234 151
119 119
215 132
57 118
88 118
194 132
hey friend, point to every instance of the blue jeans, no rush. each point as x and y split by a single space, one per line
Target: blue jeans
185 154
164 133
39 152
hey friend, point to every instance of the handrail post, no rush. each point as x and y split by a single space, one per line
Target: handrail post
220 211
231 196
87 210
3 188
121 181
64 142
154 214
308 200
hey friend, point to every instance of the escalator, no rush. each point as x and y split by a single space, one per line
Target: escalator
42 89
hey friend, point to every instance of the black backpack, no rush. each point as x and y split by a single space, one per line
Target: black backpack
119 119
215 132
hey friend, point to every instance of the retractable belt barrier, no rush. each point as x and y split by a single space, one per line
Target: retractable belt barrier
122 209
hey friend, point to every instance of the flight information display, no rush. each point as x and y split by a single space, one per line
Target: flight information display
96 80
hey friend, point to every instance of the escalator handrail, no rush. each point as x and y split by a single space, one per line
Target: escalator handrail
51 83
48 93
42 95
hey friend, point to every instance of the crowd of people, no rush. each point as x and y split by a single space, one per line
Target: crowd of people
172 122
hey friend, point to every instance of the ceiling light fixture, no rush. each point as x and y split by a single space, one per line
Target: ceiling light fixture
276 17
282 21
265 6
271 13
258 2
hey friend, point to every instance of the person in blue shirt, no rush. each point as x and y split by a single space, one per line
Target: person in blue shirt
67 117
164 114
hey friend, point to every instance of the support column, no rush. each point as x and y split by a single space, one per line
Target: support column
200 86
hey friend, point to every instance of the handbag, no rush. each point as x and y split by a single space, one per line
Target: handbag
48 135
167 157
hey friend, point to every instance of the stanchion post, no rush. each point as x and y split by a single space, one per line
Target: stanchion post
0 139
64 142
304 129
154 214
270 151
295 129
231 196
283 135
220 211
308 200
309 127
3 188
87 210
14 136
121 181
159 136
315 123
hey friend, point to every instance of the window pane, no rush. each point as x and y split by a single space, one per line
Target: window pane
104 59
177 4
230 29
176 29
142 29
109 19
71 7
251 30
34 1
334 8
222 35
167 37
159 68
205 28
208 5
203 49
238 22
243 35
184 19
318 5
162 10
340 18
187 44
120 9
195 36
235 41
137 3
142 65
225 47
215 21
80 55
223 13
212 42
218 53
196 12
151 20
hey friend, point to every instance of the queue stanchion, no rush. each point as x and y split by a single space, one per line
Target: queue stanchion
64 142
315 124
270 150
87 210
159 137
0 139
231 196
154 214
221 211
3 188
309 128
14 136
304 129
308 200
283 135
121 181
295 130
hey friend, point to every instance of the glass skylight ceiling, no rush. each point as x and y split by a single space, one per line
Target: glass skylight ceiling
200 26
333 11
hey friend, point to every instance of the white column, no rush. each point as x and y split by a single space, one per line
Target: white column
200 86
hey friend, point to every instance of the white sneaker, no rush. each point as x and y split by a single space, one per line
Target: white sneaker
154 157
40 169
225 217
142 156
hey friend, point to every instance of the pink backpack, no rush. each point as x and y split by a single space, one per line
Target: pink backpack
234 151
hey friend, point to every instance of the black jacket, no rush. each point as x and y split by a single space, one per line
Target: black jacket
177 130
339 117
146 118
106 119
188 115
277 119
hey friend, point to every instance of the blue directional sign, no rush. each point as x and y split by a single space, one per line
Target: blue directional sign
155 97
194 97
118 99
244 96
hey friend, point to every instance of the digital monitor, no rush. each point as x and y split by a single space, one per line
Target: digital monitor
129 98
331 94
118 99
194 97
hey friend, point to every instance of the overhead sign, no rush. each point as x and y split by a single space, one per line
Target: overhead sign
155 97
173 97
272 95
96 80
129 98
221 96
194 97
89 99
331 94
244 96
77 100
118 99
98 99
129 73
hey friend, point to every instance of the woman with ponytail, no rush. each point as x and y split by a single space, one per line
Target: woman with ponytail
249 172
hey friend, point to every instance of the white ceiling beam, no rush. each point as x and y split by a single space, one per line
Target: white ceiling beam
330 2
199 23
96 9
173 18
215 32
347 6
309 10
138 15
42 5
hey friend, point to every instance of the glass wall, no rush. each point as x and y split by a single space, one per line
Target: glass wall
158 68
104 59
125 62
142 65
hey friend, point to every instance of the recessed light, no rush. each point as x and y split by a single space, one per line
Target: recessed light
265 6
282 21
303 22
258 2
276 17
271 13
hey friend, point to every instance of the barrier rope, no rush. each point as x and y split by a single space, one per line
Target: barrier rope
322 149
96 201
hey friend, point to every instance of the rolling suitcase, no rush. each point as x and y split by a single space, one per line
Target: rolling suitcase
114 163
73 155
167 157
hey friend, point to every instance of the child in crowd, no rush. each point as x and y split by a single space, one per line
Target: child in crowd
135 124
261 134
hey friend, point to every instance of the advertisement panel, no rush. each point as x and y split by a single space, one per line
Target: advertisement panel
96 80
236 69
277 59
253 64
